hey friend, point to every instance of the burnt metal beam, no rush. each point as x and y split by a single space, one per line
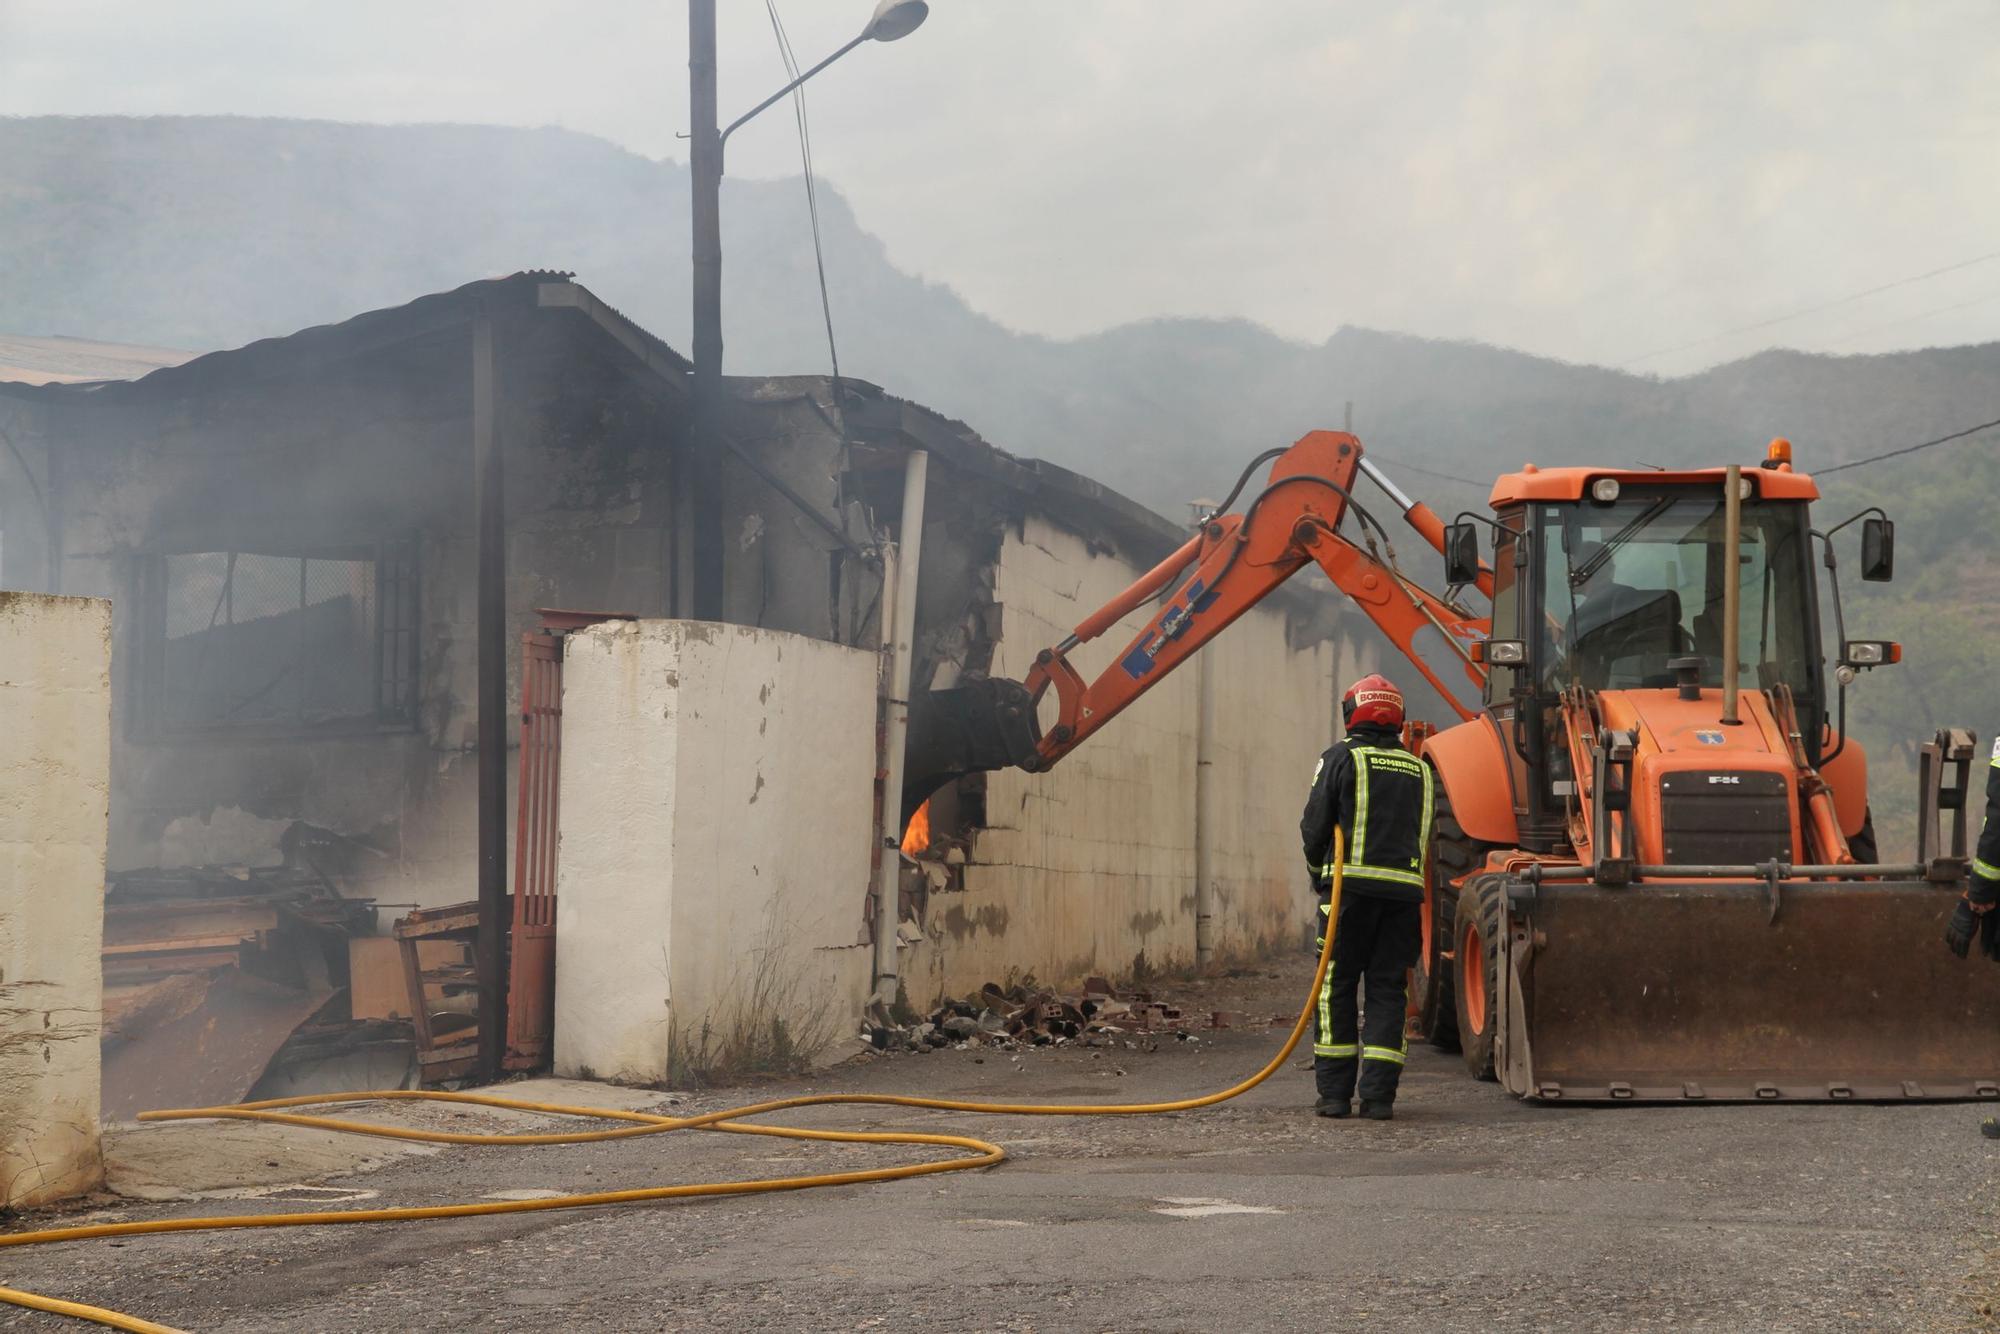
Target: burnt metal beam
489 503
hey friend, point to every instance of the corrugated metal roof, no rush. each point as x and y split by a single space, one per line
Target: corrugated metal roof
289 354
55 359
1085 502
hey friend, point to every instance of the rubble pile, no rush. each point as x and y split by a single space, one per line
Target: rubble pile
1027 1015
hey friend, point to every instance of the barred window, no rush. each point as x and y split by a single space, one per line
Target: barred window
318 640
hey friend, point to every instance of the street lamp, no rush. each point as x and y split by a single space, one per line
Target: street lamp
892 20
897 18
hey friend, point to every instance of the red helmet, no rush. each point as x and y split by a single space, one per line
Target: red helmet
1373 701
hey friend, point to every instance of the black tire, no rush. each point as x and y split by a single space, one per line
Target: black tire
1862 845
1483 904
1454 856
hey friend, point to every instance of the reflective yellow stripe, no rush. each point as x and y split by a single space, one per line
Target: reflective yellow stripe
1382 1054
1986 869
1325 1004
1384 873
1357 854
1335 1049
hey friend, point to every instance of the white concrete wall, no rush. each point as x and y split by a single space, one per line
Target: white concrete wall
55 784
1087 867
716 809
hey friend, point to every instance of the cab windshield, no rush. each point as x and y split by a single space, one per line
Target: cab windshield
1630 586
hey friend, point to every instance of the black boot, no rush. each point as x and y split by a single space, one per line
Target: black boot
1334 1107
1378 1111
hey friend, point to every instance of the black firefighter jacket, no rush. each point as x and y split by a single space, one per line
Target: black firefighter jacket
1986 857
1380 796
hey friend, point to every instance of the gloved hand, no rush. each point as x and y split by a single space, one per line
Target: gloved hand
1962 927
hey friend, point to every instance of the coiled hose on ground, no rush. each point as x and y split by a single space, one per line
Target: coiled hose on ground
979 1152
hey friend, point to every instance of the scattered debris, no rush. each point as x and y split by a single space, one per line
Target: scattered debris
215 976
1027 1015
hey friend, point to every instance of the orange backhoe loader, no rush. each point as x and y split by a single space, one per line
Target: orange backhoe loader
1654 875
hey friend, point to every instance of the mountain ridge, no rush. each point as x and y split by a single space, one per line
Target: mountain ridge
204 232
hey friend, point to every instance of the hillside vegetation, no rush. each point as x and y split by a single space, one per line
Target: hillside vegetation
209 232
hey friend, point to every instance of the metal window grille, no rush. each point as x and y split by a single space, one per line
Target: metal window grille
308 640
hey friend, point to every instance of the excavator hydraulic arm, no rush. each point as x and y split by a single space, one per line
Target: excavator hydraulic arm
1235 561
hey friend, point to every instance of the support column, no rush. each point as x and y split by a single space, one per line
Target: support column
489 503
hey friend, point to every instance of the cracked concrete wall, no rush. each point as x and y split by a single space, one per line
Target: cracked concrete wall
1089 867
55 711
717 797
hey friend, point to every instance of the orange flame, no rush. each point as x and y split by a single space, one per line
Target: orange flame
917 838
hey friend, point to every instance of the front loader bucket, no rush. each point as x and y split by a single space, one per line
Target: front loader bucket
1695 991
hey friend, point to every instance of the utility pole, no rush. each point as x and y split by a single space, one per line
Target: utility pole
704 448
892 21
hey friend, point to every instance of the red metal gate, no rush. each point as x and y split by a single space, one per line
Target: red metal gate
531 989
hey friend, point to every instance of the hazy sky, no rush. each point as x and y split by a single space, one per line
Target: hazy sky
1591 181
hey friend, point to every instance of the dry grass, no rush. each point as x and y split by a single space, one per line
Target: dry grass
772 1021
1983 1296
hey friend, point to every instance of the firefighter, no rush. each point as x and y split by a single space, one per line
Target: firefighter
1974 916
1378 796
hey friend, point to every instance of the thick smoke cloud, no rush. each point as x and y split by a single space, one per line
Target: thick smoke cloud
1591 182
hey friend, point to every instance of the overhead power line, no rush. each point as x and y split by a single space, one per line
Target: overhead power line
1911 319
812 199
1811 310
1433 472
1909 449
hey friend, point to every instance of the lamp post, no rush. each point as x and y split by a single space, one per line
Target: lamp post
891 20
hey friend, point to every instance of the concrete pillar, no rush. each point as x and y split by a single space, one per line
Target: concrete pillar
716 816
55 787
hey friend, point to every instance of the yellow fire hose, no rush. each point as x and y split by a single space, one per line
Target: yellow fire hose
981 1152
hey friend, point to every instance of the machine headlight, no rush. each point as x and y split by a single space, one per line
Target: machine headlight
1604 490
1870 653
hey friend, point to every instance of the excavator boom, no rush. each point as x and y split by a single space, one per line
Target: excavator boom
1235 561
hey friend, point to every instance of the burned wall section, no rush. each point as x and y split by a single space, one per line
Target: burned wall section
801 528
287 535
1090 868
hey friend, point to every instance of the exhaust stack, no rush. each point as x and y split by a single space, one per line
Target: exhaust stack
1732 589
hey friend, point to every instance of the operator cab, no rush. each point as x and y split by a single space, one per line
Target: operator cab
1607 580
1631 586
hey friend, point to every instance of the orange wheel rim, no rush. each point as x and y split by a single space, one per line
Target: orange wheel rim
1472 962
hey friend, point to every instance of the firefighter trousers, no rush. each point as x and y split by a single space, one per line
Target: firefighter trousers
1373 950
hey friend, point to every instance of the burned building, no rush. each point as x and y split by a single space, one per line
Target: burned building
287 533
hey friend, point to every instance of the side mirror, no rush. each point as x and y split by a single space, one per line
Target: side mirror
1461 554
1878 550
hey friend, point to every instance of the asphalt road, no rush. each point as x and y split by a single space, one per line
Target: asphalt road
1469 1211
